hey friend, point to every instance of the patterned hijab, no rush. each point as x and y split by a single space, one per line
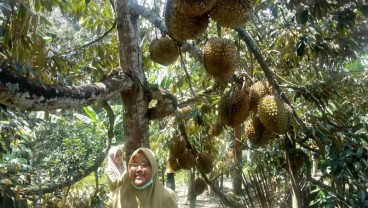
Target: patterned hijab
155 195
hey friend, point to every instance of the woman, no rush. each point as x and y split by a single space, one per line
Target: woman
141 186
115 168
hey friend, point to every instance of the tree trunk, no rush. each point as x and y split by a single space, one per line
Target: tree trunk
135 103
295 186
237 152
191 190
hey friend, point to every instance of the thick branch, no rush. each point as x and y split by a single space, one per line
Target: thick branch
166 103
19 92
151 16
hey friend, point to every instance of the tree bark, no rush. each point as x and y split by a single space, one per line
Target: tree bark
295 185
19 92
135 102
237 151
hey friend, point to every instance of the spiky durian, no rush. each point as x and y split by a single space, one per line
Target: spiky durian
273 114
173 163
234 107
232 13
183 26
204 163
256 133
220 58
194 7
187 160
164 51
200 186
258 90
177 146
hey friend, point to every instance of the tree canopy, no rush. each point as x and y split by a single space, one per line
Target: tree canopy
78 75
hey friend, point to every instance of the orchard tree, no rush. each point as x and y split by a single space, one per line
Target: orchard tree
278 76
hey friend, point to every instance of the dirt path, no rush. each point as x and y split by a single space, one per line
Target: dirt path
204 200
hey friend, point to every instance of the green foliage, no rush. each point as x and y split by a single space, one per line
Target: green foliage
317 51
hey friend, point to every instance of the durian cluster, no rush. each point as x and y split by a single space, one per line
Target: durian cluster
270 116
188 19
181 157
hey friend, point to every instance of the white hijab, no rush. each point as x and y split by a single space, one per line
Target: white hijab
114 172
111 164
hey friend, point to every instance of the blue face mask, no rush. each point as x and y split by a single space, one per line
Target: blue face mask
144 186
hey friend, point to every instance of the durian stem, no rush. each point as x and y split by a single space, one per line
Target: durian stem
186 72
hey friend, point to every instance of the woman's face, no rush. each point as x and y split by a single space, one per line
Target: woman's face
140 170
118 157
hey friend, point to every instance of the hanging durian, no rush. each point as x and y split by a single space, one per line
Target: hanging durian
164 51
187 160
234 107
194 7
173 163
177 146
204 163
232 13
220 58
273 114
257 134
258 90
183 26
199 186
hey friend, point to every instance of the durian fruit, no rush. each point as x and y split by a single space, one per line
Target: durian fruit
173 163
199 186
194 7
220 58
164 51
234 107
183 26
187 160
257 134
204 163
177 146
273 114
258 90
232 13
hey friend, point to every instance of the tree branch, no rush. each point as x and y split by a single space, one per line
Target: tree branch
19 92
166 103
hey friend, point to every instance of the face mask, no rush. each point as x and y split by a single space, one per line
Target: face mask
144 186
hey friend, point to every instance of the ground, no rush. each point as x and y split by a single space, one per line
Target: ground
204 200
